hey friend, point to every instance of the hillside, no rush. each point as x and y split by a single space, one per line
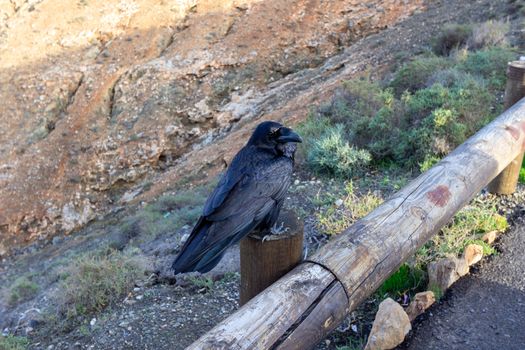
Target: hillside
100 98
118 116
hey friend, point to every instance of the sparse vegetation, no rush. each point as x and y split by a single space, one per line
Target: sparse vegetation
489 34
431 105
332 154
452 36
13 343
353 343
414 75
334 219
23 289
97 280
468 226
169 213
202 283
406 280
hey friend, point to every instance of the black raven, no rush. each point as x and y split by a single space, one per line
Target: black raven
249 195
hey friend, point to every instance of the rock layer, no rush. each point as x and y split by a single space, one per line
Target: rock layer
106 95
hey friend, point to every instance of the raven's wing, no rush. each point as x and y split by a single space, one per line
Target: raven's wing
235 173
248 202
252 198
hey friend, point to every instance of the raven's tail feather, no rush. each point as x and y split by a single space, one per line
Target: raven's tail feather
198 255
188 257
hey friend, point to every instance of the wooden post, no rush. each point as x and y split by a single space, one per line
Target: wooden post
506 181
264 262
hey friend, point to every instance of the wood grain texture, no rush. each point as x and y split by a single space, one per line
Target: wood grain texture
264 261
265 318
324 316
507 180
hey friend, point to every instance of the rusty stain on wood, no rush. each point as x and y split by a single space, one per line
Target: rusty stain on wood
513 131
439 196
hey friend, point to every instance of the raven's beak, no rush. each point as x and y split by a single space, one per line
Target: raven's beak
288 135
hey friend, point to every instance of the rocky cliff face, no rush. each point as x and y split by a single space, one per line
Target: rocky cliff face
100 99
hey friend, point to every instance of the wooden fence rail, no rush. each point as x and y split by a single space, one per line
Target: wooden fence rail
299 309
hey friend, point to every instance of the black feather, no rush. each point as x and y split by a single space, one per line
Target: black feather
249 195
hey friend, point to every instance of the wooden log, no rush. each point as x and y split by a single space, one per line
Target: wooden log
365 254
507 180
265 260
263 320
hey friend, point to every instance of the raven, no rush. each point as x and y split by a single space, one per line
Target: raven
249 196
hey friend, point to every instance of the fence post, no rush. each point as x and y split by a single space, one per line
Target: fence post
264 262
506 181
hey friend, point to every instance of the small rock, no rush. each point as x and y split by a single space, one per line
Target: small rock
338 202
390 327
421 302
490 237
473 254
444 272
139 297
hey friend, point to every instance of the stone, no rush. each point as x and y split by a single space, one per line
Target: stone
472 254
444 272
421 302
490 237
390 327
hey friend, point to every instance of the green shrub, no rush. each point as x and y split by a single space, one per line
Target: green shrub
428 163
414 75
449 106
405 280
489 34
22 290
333 220
453 36
167 214
490 64
467 226
312 129
97 280
449 77
13 343
332 154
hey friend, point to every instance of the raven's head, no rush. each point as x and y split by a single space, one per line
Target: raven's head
274 137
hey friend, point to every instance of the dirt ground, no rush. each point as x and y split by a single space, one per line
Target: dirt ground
484 310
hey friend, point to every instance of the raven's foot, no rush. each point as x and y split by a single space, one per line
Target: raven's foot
276 230
279 229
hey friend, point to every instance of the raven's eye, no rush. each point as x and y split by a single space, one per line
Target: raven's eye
274 131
